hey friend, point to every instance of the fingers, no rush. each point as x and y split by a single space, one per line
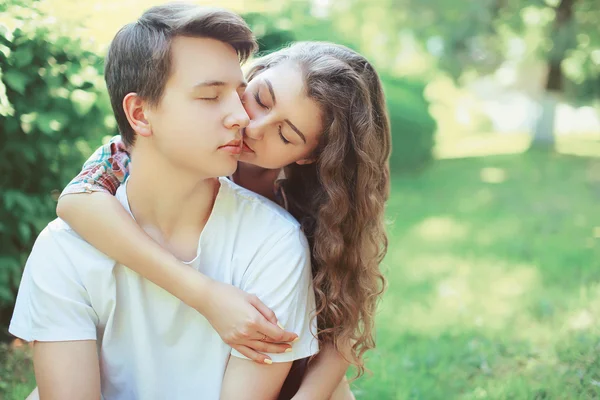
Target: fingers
266 347
264 310
275 334
253 355
269 325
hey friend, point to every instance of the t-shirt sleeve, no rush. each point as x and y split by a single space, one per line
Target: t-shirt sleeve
52 302
282 280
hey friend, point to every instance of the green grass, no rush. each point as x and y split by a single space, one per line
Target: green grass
494 284
16 373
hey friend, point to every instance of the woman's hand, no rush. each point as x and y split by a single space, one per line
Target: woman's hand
243 321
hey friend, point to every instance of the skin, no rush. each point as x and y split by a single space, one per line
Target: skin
285 125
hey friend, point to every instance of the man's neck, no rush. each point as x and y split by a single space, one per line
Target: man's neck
172 205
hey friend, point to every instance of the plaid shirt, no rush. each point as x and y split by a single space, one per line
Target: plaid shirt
108 168
104 171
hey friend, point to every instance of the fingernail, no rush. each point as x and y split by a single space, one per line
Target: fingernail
295 340
268 361
279 325
288 350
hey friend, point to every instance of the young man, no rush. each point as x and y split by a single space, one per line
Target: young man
99 328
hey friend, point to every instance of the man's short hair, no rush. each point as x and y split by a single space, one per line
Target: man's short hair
139 57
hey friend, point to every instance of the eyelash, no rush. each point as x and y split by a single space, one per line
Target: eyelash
257 98
210 98
285 141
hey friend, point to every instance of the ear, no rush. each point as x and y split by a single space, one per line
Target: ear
306 161
133 106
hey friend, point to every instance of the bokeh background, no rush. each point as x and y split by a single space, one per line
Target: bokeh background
494 217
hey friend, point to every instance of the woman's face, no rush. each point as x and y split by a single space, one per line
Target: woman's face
285 125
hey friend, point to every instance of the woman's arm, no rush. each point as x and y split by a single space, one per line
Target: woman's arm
324 378
227 308
239 318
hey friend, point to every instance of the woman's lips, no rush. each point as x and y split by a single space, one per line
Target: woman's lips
247 148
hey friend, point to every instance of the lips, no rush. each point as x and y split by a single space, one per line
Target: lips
247 148
233 143
234 147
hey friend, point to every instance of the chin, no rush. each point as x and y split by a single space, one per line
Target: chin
251 160
228 171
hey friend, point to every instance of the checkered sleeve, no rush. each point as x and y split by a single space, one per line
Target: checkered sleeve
104 171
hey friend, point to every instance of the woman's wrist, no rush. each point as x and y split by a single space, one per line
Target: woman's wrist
187 284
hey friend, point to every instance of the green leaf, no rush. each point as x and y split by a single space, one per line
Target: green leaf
23 57
83 101
24 232
52 122
6 109
5 50
9 264
16 80
5 33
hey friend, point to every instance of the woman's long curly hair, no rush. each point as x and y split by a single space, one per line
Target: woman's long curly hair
339 199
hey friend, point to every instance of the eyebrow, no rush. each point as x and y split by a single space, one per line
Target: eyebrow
296 130
270 86
242 84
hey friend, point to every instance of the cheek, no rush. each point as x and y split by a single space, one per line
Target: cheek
249 106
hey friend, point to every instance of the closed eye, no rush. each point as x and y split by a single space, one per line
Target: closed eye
257 98
285 141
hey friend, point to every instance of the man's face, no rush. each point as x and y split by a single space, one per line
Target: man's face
197 124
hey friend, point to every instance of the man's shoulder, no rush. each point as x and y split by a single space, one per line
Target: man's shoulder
60 236
264 210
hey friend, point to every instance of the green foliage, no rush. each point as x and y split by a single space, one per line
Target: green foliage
471 38
413 127
52 103
270 32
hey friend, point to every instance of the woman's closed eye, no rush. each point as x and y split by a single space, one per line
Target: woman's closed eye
260 103
285 141
257 98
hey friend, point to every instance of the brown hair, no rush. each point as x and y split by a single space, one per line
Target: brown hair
139 57
339 199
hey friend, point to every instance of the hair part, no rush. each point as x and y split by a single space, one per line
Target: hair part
139 57
340 199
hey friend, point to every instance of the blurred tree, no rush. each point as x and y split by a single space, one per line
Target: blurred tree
53 105
470 38
271 33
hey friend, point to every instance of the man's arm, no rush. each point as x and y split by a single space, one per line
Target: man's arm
67 370
53 310
245 379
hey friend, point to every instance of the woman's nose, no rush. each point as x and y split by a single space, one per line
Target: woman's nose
254 130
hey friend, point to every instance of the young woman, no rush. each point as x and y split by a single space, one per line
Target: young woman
318 144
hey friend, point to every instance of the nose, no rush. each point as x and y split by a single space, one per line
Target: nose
237 118
254 130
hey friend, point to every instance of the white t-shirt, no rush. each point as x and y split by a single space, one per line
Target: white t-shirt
151 345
